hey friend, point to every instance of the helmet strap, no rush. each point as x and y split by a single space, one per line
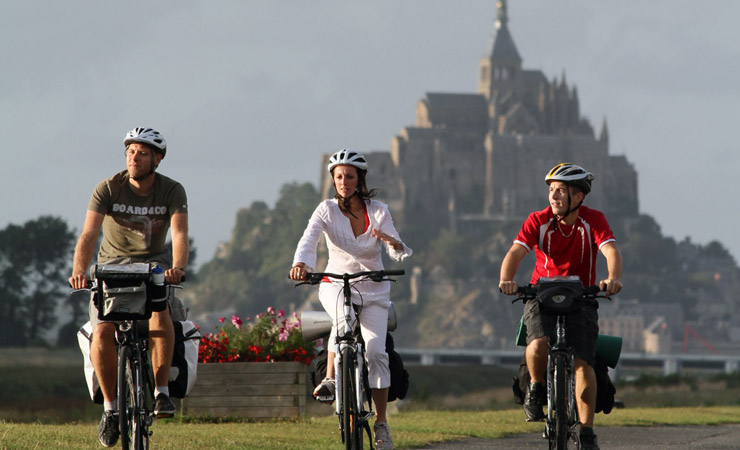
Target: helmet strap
346 200
150 173
568 211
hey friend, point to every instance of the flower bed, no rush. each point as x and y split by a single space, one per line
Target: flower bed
270 337
253 368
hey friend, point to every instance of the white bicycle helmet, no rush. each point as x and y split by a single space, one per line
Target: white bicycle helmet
570 173
148 136
347 157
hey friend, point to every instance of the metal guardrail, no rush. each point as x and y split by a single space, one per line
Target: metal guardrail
670 363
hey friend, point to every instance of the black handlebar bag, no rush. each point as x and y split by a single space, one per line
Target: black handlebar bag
124 291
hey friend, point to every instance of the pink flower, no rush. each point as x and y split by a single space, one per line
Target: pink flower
283 335
222 319
270 310
281 313
236 321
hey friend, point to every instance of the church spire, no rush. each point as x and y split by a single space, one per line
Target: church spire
502 48
502 16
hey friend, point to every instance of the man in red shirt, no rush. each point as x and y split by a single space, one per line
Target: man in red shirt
566 237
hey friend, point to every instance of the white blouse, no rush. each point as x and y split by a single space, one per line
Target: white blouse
347 253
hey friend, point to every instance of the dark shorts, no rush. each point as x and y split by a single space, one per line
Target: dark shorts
581 328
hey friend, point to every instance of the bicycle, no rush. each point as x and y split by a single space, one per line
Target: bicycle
353 390
559 296
124 293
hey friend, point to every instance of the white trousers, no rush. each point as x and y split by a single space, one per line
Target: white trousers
373 325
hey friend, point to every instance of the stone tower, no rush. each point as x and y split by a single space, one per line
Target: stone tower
481 158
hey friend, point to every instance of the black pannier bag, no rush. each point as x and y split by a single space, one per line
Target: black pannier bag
399 376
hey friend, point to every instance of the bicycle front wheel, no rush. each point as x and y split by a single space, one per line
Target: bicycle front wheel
128 403
351 427
561 403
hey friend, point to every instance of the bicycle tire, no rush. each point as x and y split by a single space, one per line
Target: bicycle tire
561 403
126 398
351 428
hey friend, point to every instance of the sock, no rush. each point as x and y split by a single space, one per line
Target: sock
162 390
111 406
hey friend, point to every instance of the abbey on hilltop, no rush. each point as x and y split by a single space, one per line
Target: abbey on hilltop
476 158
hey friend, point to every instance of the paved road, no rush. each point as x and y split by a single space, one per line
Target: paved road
724 437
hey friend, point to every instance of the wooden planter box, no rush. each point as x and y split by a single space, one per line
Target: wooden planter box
248 389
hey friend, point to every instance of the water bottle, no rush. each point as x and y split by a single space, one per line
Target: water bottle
158 276
159 292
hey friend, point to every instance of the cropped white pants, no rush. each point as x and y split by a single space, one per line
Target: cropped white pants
373 325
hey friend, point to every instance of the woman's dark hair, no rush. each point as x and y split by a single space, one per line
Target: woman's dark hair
361 191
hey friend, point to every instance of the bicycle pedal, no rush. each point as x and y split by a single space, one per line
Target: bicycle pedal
165 415
328 399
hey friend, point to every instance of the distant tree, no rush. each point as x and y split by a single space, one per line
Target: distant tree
34 265
250 273
715 249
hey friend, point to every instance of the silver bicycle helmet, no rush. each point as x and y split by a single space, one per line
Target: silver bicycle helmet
347 157
571 174
148 136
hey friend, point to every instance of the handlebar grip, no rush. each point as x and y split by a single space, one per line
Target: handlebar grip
592 290
526 289
395 272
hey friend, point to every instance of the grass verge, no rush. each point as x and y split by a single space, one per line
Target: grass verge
410 429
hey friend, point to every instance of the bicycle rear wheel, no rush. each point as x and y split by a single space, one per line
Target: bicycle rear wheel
561 403
128 404
351 427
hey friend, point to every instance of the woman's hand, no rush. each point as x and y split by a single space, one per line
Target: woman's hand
388 239
298 272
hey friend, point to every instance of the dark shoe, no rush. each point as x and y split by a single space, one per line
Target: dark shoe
108 429
588 439
533 402
163 406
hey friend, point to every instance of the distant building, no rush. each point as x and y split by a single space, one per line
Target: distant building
476 158
657 337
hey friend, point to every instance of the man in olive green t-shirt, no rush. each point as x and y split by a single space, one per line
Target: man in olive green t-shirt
134 208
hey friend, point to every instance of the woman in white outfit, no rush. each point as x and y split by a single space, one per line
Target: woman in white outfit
356 229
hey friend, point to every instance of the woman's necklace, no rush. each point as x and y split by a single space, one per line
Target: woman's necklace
561 230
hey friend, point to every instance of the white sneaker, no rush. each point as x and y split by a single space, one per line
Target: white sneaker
382 433
324 392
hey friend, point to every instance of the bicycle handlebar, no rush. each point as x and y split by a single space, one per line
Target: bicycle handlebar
529 292
93 285
374 275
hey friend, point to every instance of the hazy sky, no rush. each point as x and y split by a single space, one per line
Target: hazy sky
249 94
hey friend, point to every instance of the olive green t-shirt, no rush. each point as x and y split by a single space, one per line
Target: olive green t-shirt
136 225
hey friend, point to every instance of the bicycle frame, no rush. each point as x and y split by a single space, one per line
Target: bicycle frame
348 345
135 379
557 297
135 386
348 339
560 357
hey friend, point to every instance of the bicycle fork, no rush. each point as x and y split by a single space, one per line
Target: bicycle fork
359 366
560 349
